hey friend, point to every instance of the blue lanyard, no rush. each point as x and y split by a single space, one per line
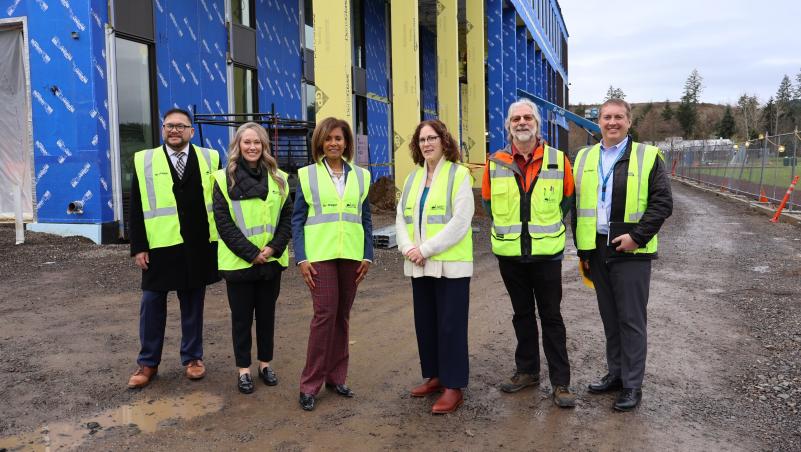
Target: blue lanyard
608 174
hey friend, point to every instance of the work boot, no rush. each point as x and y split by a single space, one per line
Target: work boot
563 397
142 377
519 381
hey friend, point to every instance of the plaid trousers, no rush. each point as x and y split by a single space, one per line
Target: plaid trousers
332 297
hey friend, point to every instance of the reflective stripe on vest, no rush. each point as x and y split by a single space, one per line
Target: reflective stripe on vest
439 195
319 217
432 219
333 228
160 214
587 181
545 223
255 218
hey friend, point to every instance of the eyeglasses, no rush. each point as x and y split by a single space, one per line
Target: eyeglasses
429 139
177 127
527 118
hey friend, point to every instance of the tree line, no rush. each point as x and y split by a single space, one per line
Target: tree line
691 119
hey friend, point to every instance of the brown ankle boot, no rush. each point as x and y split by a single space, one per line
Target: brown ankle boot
448 402
429 387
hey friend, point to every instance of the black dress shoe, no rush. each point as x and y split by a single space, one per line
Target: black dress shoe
245 384
628 399
306 401
268 376
607 384
342 390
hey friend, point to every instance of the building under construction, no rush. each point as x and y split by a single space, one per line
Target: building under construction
87 81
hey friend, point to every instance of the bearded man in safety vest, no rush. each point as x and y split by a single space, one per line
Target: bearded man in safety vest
174 242
528 189
622 198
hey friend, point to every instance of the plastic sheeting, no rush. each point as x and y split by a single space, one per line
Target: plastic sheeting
278 47
377 81
15 159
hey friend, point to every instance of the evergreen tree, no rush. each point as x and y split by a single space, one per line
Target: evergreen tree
687 113
784 95
768 114
667 112
726 125
798 86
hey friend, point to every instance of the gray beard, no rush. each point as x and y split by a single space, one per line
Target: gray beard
523 136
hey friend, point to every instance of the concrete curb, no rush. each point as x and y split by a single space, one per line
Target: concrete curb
765 208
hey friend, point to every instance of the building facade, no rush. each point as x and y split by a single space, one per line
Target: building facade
94 76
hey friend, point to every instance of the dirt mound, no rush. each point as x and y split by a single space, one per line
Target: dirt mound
383 195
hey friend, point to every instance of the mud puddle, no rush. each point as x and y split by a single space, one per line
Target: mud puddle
146 416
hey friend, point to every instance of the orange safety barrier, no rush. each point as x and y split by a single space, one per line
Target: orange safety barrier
762 197
784 200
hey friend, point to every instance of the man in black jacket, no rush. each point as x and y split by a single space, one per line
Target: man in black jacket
622 198
172 243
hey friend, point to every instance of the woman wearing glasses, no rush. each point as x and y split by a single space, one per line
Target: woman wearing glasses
333 244
253 219
434 234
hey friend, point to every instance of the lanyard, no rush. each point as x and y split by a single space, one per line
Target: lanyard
608 174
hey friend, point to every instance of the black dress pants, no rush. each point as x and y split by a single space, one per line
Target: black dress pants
622 286
538 285
441 308
245 299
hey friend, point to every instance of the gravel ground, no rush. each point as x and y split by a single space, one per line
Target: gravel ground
723 373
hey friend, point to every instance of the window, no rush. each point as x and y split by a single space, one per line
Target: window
244 12
244 90
135 104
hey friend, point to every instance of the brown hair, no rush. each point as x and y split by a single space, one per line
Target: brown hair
619 103
321 132
450 149
267 161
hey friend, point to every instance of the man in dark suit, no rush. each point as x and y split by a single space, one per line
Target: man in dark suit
173 241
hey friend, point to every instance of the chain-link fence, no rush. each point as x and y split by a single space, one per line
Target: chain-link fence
760 168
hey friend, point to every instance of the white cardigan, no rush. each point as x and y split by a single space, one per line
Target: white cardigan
450 235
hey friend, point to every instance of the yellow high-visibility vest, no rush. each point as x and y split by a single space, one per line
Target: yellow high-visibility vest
159 207
439 207
545 226
333 228
641 162
256 218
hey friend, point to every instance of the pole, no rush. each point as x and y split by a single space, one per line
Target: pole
762 170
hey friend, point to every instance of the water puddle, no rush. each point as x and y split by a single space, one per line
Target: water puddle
144 416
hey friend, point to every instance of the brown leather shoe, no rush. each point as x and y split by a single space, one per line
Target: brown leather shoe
429 387
142 377
448 402
195 370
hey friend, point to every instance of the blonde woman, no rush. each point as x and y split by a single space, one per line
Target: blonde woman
253 218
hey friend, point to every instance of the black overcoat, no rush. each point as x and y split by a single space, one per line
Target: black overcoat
191 264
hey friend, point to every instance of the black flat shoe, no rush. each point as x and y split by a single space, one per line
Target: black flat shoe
306 401
342 390
607 384
245 384
268 376
628 399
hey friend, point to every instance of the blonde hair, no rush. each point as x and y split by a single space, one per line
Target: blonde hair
267 161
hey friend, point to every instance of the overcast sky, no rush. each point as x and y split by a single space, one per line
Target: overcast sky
648 48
